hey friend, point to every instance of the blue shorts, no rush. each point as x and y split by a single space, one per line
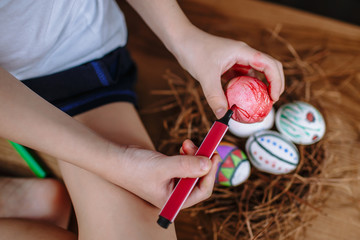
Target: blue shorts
90 85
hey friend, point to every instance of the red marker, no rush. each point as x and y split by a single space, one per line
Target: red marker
186 185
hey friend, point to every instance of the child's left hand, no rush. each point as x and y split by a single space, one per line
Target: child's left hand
152 176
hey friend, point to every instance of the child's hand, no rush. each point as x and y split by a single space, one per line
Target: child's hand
204 56
207 57
206 183
152 175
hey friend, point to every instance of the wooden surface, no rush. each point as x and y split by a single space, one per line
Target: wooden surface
269 14
341 219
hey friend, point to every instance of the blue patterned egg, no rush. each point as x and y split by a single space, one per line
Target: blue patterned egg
271 152
234 167
301 122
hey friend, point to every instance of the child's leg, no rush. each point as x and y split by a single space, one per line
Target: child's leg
30 209
21 229
34 199
104 210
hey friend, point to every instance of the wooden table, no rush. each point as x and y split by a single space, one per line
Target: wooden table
341 220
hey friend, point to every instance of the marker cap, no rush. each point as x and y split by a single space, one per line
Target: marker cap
163 222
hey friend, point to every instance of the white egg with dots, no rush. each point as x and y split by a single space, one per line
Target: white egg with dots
271 152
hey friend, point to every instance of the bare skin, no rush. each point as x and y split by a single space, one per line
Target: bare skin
36 199
103 209
77 144
100 204
21 229
206 57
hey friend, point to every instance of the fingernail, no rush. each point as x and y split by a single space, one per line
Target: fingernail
181 151
205 164
275 98
220 112
217 158
191 144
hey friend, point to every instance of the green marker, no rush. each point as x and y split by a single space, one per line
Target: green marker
29 159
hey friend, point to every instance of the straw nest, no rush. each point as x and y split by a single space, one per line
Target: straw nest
324 74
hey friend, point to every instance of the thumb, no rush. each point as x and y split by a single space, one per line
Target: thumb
186 166
215 96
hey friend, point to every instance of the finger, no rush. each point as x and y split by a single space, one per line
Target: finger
182 151
188 147
204 188
281 74
215 96
272 70
186 166
281 70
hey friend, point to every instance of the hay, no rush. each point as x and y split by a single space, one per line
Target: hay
269 206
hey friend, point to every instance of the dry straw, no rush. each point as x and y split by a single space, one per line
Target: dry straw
268 206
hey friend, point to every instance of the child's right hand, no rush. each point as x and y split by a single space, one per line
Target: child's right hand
207 57
152 175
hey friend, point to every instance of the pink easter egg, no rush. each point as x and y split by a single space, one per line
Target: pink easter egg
251 97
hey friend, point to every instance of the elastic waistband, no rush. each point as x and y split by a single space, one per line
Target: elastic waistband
99 73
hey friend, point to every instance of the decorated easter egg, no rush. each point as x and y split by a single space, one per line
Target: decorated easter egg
234 167
244 130
301 122
272 152
251 97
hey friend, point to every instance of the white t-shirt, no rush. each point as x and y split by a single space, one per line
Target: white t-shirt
40 37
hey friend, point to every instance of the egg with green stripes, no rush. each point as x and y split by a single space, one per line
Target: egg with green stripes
234 167
301 122
271 152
